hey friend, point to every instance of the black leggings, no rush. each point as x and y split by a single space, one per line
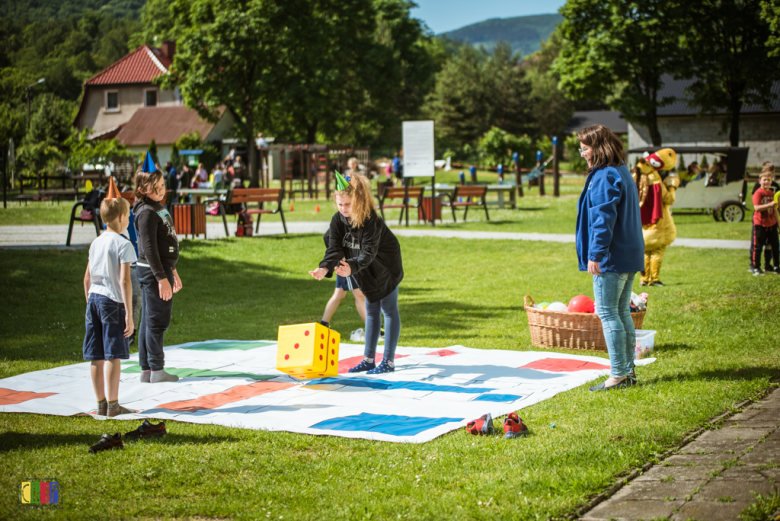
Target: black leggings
764 235
155 320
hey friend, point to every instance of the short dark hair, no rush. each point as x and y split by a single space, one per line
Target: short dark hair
607 147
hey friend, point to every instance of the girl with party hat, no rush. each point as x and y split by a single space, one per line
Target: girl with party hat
361 245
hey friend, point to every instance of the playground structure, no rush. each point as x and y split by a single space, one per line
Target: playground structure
307 167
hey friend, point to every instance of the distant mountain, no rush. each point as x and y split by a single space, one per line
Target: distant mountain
523 33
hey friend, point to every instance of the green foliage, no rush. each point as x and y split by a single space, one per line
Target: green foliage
47 10
572 147
153 152
44 144
681 166
472 95
730 62
762 508
12 124
210 156
498 146
552 110
704 163
770 11
619 50
90 152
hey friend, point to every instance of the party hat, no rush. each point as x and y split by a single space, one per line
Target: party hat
341 183
113 193
149 164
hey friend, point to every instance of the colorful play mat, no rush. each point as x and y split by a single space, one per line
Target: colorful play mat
235 383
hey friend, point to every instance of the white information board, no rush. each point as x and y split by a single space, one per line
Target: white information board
418 148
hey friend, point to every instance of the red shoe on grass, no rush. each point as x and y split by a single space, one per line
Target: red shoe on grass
481 426
514 426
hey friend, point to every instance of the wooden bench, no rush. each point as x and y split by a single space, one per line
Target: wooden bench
467 193
246 196
406 194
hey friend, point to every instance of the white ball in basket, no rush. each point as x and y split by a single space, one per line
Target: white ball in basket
557 306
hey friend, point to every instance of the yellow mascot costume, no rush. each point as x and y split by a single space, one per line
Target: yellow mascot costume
655 198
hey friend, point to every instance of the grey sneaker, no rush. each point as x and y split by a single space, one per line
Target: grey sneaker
162 376
146 377
757 272
114 409
102 408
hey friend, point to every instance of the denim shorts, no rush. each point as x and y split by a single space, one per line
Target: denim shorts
346 283
105 322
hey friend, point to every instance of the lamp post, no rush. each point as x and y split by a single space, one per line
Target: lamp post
27 92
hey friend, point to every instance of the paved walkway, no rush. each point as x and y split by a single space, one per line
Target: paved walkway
710 478
53 236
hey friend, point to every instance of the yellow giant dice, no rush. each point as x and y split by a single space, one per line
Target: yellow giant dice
308 351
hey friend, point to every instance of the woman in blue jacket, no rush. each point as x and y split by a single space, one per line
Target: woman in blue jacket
610 246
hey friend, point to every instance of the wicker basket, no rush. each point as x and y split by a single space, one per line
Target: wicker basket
569 330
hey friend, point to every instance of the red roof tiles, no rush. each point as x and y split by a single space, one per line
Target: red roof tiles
163 124
140 66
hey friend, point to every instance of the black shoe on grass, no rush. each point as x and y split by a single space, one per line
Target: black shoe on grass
147 430
108 443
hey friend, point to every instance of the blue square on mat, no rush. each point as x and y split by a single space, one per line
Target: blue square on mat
384 423
497 398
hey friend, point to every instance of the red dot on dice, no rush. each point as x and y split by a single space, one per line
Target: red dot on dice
320 357
333 351
286 357
297 346
334 340
331 362
322 336
306 333
322 346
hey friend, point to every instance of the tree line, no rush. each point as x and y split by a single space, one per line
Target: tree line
350 71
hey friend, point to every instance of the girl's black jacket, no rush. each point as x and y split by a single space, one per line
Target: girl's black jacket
372 251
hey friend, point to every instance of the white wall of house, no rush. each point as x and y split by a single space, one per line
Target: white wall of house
131 98
759 132
163 152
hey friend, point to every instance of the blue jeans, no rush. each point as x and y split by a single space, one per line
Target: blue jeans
389 307
613 305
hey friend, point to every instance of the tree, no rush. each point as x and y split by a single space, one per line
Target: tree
510 100
552 110
731 64
233 53
153 152
770 11
499 145
90 152
618 50
460 102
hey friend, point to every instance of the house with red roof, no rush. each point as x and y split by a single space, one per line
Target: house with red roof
122 102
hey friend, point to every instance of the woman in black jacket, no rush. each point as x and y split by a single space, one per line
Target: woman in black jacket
362 245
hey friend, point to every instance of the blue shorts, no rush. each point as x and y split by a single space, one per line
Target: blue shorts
105 321
346 283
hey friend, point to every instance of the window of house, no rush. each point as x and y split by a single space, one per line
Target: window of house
112 101
150 98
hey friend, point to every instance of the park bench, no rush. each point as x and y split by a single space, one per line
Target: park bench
468 194
247 196
406 194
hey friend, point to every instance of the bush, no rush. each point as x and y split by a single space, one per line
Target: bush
498 146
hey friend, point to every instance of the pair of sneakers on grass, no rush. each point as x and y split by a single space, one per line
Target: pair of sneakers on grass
145 430
513 426
368 365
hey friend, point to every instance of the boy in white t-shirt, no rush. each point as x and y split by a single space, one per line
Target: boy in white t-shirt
107 287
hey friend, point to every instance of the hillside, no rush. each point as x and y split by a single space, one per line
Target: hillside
47 10
522 32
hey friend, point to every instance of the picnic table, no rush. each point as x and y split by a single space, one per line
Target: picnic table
499 189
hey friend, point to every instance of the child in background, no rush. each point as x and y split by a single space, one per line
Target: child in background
361 245
158 251
765 220
774 188
109 322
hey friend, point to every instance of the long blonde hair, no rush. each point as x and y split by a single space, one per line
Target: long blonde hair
359 190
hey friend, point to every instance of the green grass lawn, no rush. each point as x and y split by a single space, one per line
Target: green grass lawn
534 214
716 346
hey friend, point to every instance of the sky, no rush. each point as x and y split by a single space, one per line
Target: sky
446 15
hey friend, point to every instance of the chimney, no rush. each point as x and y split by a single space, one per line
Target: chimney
168 49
